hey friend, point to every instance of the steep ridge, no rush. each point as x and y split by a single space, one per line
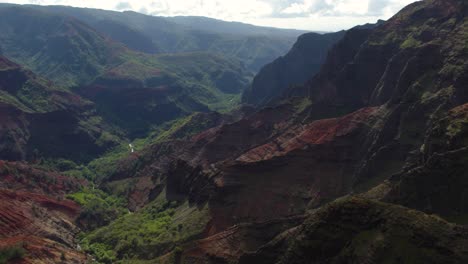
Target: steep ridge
411 65
296 67
41 120
387 105
35 217
301 63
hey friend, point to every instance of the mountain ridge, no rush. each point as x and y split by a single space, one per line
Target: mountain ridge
168 36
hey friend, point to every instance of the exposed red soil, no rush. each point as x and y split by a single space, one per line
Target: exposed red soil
315 133
303 167
42 225
42 250
17 211
230 140
460 111
35 214
19 176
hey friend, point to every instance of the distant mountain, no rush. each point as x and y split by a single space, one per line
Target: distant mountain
55 46
132 90
254 46
233 28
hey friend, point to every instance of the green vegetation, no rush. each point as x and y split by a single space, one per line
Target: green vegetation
28 92
154 90
42 101
302 104
98 208
457 127
58 164
147 234
106 165
181 128
11 253
89 197
410 42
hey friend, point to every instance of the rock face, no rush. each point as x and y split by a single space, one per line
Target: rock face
36 217
302 61
384 118
435 182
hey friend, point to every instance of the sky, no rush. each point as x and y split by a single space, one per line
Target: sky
318 15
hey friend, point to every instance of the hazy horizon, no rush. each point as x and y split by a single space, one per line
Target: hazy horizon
312 15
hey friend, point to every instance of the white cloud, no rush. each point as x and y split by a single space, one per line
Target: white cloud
345 7
304 14
123 6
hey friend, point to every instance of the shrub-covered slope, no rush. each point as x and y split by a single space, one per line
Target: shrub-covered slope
41 120
144 92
